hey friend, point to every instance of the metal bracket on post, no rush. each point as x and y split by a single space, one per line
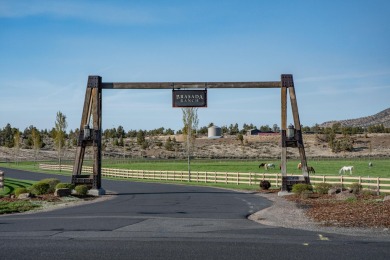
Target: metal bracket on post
291 137
94 82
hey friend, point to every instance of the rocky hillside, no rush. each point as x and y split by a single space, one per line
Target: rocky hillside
253 147
382 117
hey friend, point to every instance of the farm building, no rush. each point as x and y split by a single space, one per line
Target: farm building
253 132
261 133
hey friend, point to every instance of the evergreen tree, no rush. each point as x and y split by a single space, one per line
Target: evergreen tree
169 144
8 136
140 137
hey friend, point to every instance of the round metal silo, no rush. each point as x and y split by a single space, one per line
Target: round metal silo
214 131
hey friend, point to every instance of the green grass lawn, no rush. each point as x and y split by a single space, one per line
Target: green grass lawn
11 184
380 168
32 167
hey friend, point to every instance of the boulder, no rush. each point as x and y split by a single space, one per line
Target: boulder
24 196
345 195
63 192
333 191
387 197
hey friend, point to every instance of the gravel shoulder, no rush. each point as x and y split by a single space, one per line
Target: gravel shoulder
285 213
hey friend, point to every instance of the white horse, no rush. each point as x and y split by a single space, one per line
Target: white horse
345 169
269 165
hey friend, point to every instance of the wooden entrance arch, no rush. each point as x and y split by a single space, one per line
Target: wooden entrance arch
91 124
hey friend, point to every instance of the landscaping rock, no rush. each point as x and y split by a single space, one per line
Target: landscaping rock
333 191
387 197
309 195
63 192
23 196
345 195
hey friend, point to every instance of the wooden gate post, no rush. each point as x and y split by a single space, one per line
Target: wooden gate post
90 135
296 140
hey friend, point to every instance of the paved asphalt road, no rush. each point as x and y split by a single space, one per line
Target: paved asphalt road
161 221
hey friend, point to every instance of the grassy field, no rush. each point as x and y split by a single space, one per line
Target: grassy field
380 168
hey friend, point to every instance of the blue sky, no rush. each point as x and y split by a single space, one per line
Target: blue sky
338 52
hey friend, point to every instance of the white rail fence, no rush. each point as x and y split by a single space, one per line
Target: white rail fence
377 184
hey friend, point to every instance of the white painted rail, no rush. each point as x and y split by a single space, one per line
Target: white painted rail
381 185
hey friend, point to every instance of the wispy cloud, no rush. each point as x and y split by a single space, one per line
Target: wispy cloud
101 12
345 76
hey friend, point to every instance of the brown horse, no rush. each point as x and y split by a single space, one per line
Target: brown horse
261 165
310 169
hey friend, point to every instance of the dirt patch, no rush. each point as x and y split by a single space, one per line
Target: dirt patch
364 211
368 216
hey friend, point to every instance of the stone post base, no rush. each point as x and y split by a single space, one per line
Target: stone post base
96 192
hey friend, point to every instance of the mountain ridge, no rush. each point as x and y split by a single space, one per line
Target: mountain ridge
382 117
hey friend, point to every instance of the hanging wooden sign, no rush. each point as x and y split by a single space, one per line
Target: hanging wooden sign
189 98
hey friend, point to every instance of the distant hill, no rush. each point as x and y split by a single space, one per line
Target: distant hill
382 117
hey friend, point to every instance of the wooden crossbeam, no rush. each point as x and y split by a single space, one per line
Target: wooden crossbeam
176 85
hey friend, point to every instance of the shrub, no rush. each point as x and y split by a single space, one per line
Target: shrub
16 206
369 192
323 188
355 188
169 145
52 184
301 187
351 199
40 188
145 145
62 185
265 185
81 190
306 194
20 190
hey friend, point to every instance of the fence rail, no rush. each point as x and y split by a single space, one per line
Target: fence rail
381 185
